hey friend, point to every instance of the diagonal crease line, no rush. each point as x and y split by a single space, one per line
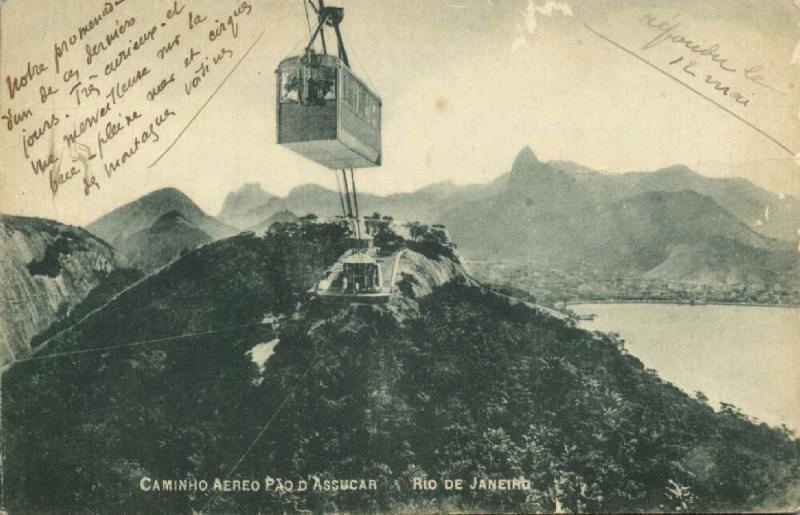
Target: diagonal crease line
690 88
180 134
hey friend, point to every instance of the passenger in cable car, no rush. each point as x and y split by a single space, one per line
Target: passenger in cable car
311 83
292 84
321 84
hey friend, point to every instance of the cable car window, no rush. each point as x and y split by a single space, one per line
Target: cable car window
321 84
362 102
373 112
328 78
350 91
291 84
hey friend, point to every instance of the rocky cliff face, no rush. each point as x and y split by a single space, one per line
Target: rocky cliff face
46 268
417 276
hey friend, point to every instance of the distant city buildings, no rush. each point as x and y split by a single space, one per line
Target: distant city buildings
555 288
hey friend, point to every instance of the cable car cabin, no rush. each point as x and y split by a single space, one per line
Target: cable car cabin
361 274
325 113
354 278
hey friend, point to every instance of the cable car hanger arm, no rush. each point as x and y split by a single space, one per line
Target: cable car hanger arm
322 19
331 16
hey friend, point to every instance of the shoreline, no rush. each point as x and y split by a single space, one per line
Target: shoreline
683 303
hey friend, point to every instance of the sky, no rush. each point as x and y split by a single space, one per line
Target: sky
465 85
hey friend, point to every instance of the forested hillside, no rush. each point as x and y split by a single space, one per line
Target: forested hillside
456 384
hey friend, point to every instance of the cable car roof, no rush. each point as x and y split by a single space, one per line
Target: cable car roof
329 61
358 258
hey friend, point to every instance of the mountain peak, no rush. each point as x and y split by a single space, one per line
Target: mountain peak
253 188
169 220
305 189
678 170
143 212
165 194
442 188
248 197
160 201
525 160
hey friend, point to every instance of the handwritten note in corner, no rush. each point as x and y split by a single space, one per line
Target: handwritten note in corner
720 62
92 90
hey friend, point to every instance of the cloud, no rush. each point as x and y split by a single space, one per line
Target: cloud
530 23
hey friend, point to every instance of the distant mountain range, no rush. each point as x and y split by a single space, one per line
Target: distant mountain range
156 228
642 223
241 207
426 204
772 215
776 216
279 217
127 220
671 223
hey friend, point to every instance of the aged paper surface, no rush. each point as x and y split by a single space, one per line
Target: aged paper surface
421 256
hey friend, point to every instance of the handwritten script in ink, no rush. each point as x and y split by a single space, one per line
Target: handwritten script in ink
705 65
104 93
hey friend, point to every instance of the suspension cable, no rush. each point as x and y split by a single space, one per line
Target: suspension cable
341 198
347 196
353 223
349 205
340 45
355 202
355 196
165 339
353 227
308 20
360 65
208 503
322 28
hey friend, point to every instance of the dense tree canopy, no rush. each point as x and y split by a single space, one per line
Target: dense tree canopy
460 384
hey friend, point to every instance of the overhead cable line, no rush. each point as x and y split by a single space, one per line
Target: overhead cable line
138 343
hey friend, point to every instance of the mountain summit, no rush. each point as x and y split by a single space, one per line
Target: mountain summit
526 160
238 204
568 217
140 214
156 228
170 235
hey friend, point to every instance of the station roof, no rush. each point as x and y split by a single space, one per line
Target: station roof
358 258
